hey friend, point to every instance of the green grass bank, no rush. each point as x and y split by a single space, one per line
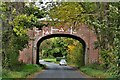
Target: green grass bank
50 59
96 71
21 72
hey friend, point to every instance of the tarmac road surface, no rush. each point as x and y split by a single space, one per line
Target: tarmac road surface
54 70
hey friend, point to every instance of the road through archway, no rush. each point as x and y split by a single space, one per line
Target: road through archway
61 35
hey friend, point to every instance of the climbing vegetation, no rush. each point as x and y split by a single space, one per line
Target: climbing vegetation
103 19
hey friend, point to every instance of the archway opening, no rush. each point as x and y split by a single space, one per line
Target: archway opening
80 40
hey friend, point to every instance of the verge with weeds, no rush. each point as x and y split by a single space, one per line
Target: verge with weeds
96 70
22 71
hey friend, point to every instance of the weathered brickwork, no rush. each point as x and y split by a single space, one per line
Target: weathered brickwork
28 55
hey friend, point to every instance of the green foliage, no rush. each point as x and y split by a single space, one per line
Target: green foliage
22 22
32 9
75 54
11 50
16 20
50 59
107 29
90 7
54 46
97 73
115 59
103 19
95 66
63 47
35 13
10 41
105 58
21 71
67 13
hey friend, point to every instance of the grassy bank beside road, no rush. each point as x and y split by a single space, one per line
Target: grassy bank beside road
22 71
96 71
50 59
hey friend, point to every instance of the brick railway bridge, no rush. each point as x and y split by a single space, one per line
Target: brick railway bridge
86 36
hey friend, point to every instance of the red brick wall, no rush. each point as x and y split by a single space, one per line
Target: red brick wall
83 32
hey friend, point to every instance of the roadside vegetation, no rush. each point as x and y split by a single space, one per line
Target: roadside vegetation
96 71
21 71
102 19
17 18
50 60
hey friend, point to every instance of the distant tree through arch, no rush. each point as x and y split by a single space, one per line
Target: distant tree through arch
60 35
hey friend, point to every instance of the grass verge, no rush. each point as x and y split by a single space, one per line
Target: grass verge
21 72
95 71
50 59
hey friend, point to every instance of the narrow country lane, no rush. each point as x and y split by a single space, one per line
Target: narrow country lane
56 71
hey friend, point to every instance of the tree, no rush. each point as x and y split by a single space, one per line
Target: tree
16 20
68 13
103 19
107 28
55 47
10 40
62 46
75 53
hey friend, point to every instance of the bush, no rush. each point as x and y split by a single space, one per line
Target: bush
21 72
96 66
75 54
96 70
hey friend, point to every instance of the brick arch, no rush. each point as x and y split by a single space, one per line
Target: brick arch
28 55
61 35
